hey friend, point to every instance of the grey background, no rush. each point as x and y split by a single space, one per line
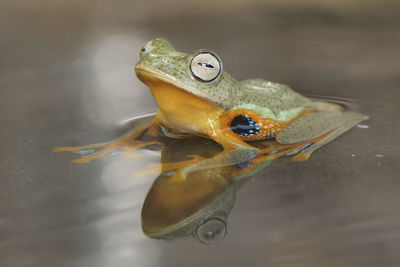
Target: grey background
66 78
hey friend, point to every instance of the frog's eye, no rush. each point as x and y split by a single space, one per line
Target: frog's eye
205 66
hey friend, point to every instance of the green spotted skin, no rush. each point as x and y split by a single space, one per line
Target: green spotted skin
272 100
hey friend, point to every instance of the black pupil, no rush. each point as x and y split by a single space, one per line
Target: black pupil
207 65
245 126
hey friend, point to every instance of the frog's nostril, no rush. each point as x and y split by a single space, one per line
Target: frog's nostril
157 46
143 52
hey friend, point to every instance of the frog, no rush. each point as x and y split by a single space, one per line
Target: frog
196 96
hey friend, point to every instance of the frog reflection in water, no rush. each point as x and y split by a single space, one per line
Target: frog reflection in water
195 96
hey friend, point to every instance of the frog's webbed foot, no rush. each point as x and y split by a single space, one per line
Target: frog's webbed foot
128 143
91 152
316 129
86 153
238 157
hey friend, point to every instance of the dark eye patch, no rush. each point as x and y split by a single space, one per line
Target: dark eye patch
207 65
244 126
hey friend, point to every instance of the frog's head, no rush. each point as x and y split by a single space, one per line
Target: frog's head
199 73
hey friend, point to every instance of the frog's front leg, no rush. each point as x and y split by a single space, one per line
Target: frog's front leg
128 142
235 152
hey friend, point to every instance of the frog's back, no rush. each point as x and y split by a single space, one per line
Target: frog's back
274 100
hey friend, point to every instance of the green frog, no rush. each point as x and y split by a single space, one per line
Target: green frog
195 96
252 123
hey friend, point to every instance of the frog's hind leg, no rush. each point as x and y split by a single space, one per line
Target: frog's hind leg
318 128
128 143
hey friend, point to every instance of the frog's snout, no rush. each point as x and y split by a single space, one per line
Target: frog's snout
156 46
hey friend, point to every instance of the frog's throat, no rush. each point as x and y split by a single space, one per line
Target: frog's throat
149 75
180 109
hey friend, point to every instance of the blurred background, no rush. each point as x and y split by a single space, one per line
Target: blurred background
67 79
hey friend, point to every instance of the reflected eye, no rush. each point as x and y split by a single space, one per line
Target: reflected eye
211 231
205 66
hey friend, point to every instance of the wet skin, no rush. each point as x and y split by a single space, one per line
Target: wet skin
195 96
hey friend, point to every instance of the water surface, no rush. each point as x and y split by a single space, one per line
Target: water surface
66 78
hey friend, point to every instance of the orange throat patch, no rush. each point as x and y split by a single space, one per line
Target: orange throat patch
182 110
